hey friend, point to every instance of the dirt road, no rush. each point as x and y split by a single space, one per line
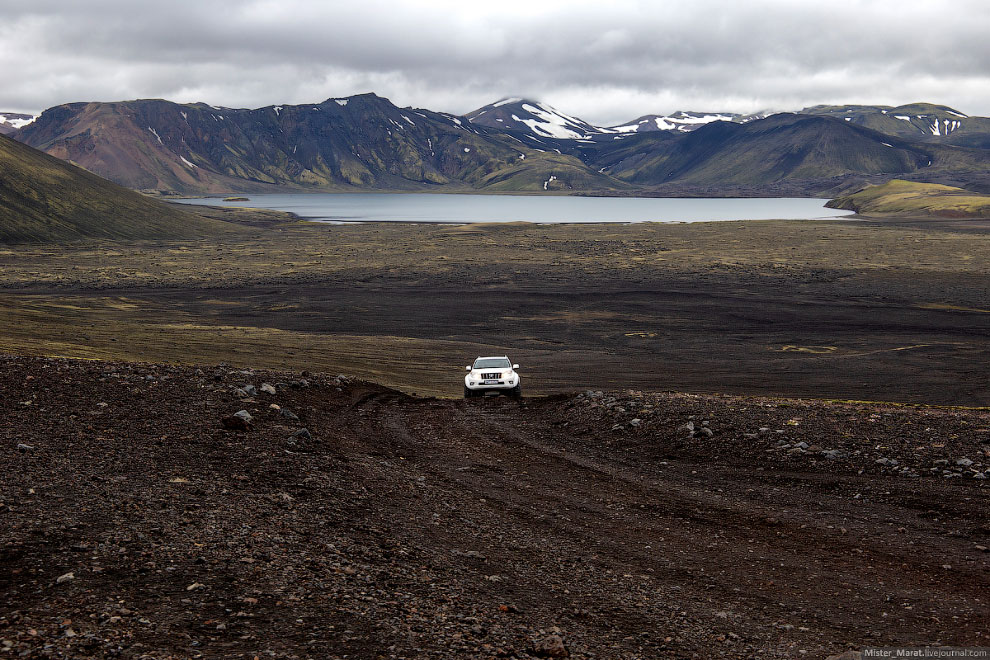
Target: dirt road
605 525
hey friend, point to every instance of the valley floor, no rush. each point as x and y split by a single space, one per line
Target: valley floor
892 311
133 524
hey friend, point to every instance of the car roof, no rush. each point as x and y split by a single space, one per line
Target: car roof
491 357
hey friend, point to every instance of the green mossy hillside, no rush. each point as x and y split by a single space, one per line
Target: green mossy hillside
899 198
45 199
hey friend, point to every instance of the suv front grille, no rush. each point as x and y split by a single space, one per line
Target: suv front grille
493 376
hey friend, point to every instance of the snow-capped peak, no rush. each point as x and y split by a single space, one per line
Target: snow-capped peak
532 117
539 120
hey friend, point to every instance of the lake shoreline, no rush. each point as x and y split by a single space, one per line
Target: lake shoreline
334 208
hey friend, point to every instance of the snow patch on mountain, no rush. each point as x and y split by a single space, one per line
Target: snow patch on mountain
17 120
550 123
679 121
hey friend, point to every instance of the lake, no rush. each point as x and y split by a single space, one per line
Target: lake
450 208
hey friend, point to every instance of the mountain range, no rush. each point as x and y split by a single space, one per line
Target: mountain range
365 142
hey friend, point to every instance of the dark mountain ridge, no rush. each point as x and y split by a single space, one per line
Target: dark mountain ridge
365 142
361 142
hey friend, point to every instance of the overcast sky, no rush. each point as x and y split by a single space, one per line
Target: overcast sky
606 62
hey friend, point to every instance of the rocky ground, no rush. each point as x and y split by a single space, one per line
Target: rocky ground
155 511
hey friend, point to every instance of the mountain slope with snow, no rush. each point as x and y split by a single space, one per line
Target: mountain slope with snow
542 121
682 121
362 142
365 142
539 119
925 122
11 121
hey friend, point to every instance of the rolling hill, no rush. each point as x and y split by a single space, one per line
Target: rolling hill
909 199
43 198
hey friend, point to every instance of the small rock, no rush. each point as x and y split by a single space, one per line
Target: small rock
62 579
635 422
288 414
196 586
302 434
832 454
267 389
802 445
551 646
963 462
981 548
235 423
245 415
23 447
704 431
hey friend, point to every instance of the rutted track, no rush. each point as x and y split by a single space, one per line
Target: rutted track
415 528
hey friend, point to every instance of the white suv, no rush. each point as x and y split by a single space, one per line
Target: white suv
492 374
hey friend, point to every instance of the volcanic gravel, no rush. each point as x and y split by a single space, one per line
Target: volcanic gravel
155 511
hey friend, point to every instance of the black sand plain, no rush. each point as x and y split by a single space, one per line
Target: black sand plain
853 309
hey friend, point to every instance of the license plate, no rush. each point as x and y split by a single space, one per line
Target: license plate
491 382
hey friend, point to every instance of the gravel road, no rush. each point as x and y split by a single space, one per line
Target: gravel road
140 518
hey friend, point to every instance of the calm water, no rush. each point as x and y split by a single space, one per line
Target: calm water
379 207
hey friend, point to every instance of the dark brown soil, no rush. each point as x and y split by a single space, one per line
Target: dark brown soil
413 528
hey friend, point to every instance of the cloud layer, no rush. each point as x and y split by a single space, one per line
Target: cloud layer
604 62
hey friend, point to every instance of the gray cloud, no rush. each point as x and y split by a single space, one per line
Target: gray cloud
604 63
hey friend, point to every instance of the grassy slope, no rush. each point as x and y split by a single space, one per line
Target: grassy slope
43 198
906 198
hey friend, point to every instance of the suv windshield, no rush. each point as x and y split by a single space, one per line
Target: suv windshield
491 363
